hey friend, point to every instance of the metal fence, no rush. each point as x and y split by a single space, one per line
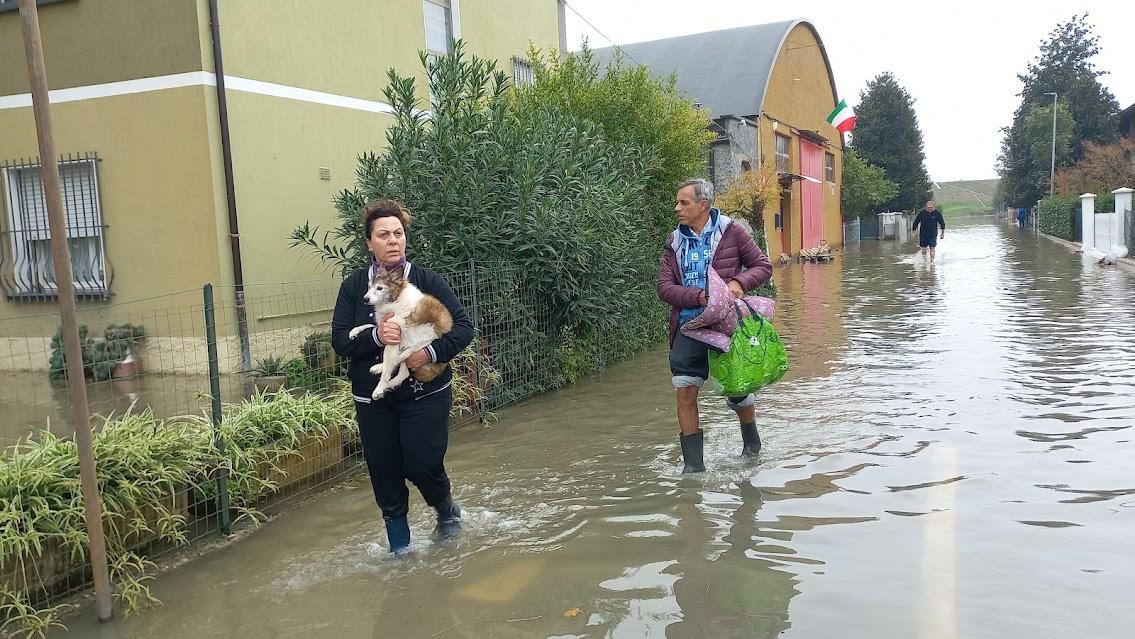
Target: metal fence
166 371
851 231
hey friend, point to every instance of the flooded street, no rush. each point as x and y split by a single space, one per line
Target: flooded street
950 456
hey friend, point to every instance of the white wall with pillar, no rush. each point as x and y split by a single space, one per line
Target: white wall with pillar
1108 233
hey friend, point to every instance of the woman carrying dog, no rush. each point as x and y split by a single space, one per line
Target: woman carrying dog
405 433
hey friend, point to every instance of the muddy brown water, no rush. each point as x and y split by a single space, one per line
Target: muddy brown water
951 456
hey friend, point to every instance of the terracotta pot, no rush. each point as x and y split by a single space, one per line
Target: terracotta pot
269 383
129 367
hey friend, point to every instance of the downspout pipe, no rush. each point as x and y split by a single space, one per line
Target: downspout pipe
561 18
230 188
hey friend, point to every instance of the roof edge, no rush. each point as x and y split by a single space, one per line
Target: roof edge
780 47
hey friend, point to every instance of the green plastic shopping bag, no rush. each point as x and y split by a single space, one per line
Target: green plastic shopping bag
755 359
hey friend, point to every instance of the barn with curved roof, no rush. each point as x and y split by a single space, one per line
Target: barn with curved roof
769 89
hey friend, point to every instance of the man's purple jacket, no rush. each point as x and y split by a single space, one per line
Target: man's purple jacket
735 257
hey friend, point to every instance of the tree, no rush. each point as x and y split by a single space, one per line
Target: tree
750 194
1038 132
633 107
1063 66
747 197
865 186
887 135
1104 168
522 188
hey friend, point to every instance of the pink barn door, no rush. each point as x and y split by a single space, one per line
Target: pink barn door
811 194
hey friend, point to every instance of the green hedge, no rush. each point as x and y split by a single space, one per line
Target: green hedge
1054 215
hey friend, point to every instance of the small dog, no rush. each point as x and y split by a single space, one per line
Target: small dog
423 318
784 259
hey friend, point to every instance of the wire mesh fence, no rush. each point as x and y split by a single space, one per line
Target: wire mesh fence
190 441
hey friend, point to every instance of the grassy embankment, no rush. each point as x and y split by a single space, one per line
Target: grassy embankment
965 197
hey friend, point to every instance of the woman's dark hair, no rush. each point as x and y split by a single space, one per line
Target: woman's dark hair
384 208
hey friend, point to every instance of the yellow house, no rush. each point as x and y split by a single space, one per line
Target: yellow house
157 201
769 89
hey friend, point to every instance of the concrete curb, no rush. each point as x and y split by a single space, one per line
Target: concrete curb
1125 262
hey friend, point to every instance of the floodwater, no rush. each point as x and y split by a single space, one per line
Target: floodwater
949 457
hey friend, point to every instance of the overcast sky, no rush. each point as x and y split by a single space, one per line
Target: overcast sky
958 59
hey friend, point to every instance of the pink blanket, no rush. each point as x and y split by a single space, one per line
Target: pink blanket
715 324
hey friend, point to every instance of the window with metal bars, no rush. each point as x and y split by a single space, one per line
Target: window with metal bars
27 269
523 73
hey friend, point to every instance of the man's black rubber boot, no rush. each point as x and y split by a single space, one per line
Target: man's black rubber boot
752 440
692 453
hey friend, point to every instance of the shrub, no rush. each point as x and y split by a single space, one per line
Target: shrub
142 465
525 187
632 107
1054 215
99 356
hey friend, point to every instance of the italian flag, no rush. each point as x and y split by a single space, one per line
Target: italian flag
842 118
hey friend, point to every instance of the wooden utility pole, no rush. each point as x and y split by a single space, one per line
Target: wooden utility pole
65 287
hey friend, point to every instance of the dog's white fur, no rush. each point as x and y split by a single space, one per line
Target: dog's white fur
394 294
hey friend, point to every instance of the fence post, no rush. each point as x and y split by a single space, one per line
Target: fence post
215 392
1122 209
476 327
1088 223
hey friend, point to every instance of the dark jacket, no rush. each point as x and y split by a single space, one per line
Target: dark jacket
927 223
366 350
735 257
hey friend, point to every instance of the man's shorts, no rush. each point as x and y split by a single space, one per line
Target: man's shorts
689 366
689 361
928 242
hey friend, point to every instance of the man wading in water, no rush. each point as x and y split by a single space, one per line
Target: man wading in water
926 223
704 236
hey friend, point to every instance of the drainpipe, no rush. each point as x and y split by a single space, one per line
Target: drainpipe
230 188
562 17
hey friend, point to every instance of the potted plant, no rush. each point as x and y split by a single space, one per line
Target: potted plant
120 341
277 442
319 356
113 357
269 374
145 469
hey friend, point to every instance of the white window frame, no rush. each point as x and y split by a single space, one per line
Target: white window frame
787 155
28 269
452 28
828 155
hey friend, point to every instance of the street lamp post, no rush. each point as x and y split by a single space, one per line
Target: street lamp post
1052 167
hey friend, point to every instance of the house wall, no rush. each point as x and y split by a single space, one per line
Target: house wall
800 97
155 185
304 92
1128 133
737 143
90 42
280 142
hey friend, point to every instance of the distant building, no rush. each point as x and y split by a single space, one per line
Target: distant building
769 89
1127 130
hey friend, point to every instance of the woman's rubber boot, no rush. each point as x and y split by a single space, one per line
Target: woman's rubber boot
751 439
398 534
448 519
692 453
